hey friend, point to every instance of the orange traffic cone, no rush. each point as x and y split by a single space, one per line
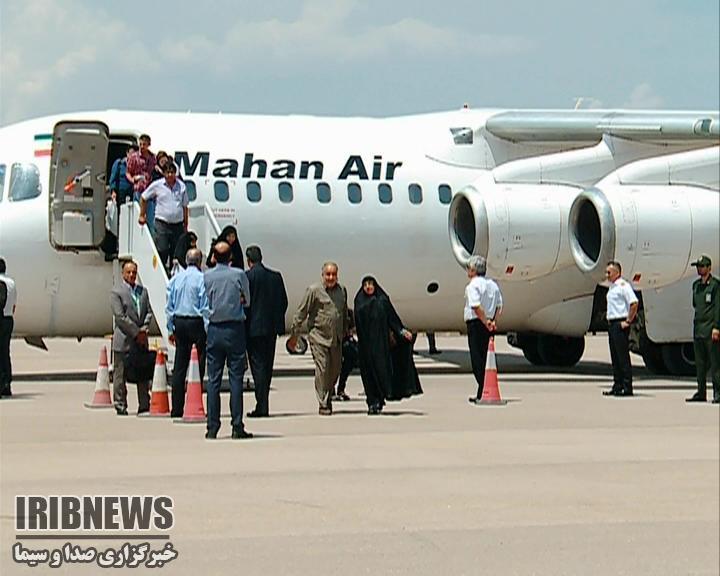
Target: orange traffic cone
194 411
159 403
491 390
101 395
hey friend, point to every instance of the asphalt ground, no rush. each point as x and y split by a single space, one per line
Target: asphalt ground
560 481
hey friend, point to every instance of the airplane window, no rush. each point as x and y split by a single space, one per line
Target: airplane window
445 194
191 190
415 193
24 182
385 193
285 192
323 192
254 193
2 180
222 192
354 193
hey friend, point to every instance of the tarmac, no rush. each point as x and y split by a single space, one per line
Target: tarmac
560 481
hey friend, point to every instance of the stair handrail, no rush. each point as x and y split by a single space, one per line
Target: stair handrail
135 242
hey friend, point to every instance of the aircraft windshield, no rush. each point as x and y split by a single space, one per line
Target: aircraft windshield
24 182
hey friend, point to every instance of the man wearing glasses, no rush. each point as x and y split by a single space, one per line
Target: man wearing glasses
706 330
622 307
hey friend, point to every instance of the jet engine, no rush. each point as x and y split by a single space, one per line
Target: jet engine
519 228
654 231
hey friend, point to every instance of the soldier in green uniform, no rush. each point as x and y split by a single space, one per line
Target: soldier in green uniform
706 330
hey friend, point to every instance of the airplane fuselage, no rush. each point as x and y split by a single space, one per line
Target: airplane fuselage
371 194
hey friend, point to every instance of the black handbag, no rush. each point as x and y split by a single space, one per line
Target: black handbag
140 364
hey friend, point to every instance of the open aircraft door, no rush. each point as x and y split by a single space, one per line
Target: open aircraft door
77 185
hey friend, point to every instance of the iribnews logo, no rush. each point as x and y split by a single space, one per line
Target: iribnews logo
93 513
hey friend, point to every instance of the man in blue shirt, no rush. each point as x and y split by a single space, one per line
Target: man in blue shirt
187 311
228 292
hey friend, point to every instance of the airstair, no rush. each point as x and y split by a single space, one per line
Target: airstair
135 242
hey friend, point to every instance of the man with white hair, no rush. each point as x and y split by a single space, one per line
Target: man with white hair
483 305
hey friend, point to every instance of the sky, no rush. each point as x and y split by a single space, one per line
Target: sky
355 58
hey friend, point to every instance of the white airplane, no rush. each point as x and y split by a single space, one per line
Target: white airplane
547 196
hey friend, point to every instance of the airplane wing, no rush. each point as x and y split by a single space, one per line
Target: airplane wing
590 126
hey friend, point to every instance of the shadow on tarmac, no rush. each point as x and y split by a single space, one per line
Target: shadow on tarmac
448 363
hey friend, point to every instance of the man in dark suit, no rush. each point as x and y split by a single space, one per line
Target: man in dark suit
266 321
131 308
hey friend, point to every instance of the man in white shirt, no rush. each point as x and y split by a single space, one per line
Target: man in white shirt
8 299
622 307
171 212
483 305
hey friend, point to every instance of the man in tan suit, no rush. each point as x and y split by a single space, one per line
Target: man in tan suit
325 308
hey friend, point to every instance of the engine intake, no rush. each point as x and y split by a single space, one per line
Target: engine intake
520 228
653 231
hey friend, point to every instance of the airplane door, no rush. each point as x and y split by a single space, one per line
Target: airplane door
77 184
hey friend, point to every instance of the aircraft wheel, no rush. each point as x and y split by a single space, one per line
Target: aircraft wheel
530 350
563 351
652 355
679 358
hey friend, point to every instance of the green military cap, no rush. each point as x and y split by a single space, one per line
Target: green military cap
703 261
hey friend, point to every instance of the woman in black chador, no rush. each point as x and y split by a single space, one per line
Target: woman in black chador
229 235
385 348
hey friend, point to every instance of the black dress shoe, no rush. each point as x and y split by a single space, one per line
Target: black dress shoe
211 434
612 392
696 398
716 400
256 414
121 411
624 393
241 434
6 392
473 399
373 410
142 411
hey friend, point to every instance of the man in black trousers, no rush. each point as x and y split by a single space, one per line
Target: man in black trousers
266 321
622 307
8 298
187 310
483 306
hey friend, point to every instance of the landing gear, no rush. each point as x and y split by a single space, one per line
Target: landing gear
551 350
679 358
530 349
673 358
652 355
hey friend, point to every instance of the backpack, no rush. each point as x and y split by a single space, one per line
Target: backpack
3 296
